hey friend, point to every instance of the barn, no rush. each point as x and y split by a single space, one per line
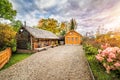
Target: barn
32 38
73 37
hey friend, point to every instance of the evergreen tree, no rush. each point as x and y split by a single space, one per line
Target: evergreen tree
73 24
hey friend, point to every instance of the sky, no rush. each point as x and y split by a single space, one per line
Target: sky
89 14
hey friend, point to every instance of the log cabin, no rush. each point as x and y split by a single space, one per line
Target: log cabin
30 38
73 37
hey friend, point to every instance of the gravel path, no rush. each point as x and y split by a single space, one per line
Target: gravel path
59 63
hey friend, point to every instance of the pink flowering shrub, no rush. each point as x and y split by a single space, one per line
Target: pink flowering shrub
109 57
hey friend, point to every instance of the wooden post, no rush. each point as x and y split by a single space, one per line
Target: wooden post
31 42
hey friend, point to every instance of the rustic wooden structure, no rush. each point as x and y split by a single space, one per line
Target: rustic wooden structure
32 38
73 37
4 57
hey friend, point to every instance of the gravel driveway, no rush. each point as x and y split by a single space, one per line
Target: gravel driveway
59 63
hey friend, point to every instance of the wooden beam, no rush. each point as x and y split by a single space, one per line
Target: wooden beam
31 42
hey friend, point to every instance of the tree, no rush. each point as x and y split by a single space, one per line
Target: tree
6 10
63 32
49 24
73 24
16 25
7 36
63 28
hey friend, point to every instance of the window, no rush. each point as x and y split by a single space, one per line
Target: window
68 39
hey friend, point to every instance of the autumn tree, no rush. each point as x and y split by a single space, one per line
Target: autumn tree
63 28
6 10
7 36
49 24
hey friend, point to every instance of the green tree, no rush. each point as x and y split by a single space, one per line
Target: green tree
6 10
49 24
73 24
63 32
16 25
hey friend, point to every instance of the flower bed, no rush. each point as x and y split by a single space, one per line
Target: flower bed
97 68
109 57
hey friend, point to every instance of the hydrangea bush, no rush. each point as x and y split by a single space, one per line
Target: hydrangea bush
109 57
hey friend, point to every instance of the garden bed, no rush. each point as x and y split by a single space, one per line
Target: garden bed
98 70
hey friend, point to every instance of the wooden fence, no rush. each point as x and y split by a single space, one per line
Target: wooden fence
4 57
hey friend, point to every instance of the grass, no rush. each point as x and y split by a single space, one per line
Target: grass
16 57
99 71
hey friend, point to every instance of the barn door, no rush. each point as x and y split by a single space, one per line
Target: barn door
76 40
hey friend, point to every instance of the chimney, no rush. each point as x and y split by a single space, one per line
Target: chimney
25 23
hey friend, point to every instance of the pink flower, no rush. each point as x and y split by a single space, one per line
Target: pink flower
109 49
116 48
109 60
112 55
118 51
104 53
117 64
104 46
99 57
107 55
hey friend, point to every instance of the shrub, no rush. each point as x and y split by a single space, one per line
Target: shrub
89 49
7 36
109 57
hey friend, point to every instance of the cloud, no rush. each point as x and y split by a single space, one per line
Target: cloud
88 13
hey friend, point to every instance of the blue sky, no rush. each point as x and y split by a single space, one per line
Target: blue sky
89 14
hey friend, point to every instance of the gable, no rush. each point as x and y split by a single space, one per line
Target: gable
73 33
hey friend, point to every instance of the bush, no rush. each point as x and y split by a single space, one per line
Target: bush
89 49
7 36
109 57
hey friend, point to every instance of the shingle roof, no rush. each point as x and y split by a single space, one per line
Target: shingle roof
39 33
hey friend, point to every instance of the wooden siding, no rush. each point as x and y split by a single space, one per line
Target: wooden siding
73 37
26 40
23 39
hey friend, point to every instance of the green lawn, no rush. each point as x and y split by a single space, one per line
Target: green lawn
16 57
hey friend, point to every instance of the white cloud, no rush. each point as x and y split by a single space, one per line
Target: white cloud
88 13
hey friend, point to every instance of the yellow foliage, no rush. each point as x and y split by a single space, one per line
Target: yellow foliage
49 24
7 34
112 38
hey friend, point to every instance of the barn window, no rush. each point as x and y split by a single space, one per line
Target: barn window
68 39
